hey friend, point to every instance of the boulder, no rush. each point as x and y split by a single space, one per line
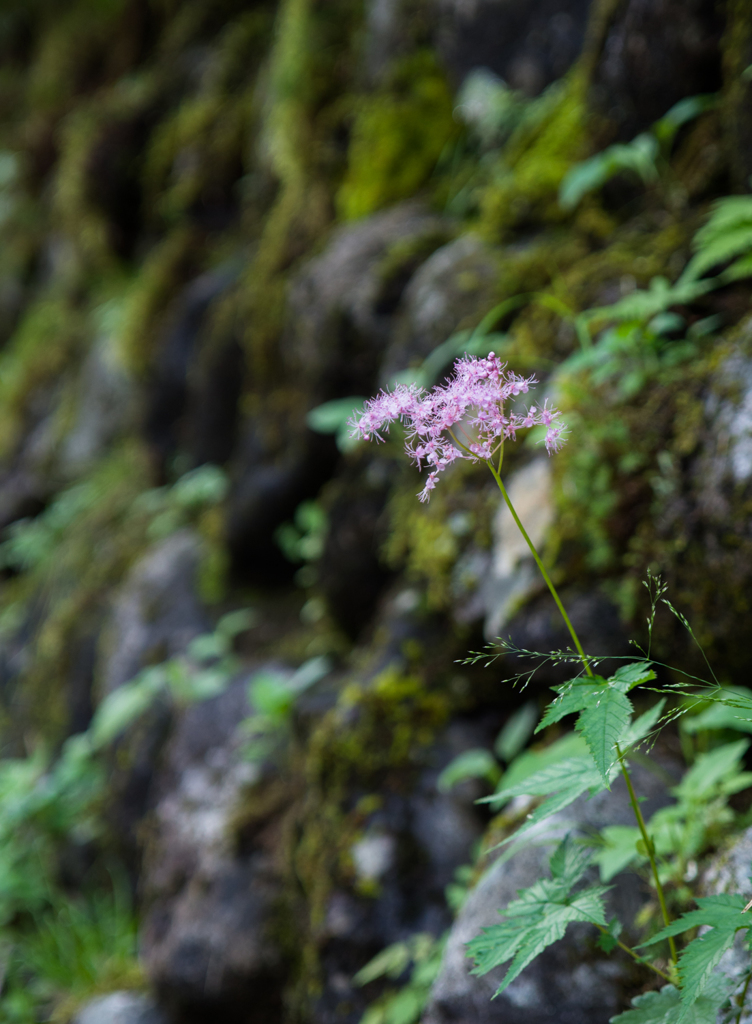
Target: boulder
454 288
341 305
571 982
350 573
339 317
207 939
121 1008
503 586
655 53
528 45
106 408
729 872
191 404
155 616
157 612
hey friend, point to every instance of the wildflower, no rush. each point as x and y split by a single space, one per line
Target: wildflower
464 418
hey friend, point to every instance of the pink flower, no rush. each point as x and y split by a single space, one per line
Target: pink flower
464 418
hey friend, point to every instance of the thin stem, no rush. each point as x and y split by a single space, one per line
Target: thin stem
637 957
648 846
742 998
632 796
542 568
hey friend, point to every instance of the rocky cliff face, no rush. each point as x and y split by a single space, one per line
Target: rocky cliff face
218 217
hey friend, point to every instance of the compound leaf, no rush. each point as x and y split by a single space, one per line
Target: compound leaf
724 916
665 1007
603 724
573 696
539 916
628 676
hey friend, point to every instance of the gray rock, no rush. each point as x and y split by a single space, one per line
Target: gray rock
341 304
105 408
528 45
155 616
655 53
570 983
729 408
454 288
496 583
157 612
729 872
121 1008
205 940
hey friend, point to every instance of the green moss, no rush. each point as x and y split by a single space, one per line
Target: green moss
371 742
398 134
141 310
73 555
52 333
66 47
205 142
83 133
533 163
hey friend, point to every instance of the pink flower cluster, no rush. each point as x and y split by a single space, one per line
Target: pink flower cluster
464 418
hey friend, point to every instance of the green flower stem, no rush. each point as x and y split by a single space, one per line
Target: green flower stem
542 568
648 846
632 797
636 956
742 998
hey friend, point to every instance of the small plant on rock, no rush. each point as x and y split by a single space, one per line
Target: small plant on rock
472 416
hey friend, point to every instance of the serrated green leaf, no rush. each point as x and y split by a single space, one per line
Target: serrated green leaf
698 961
665 1007
567 780
566 772
531 761
609 940
627 677
573 697
721 911
710 769
603 724
539 917
723 914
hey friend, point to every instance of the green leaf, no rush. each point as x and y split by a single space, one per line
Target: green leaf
627 677
685 110
731 708
566 780
540 916
333 418
237 622
123 706
603 724
711 769
665 1007
608 941
390 962
531 761
643 725
516 732
724 916
472 764
619 850
722 911
573 696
